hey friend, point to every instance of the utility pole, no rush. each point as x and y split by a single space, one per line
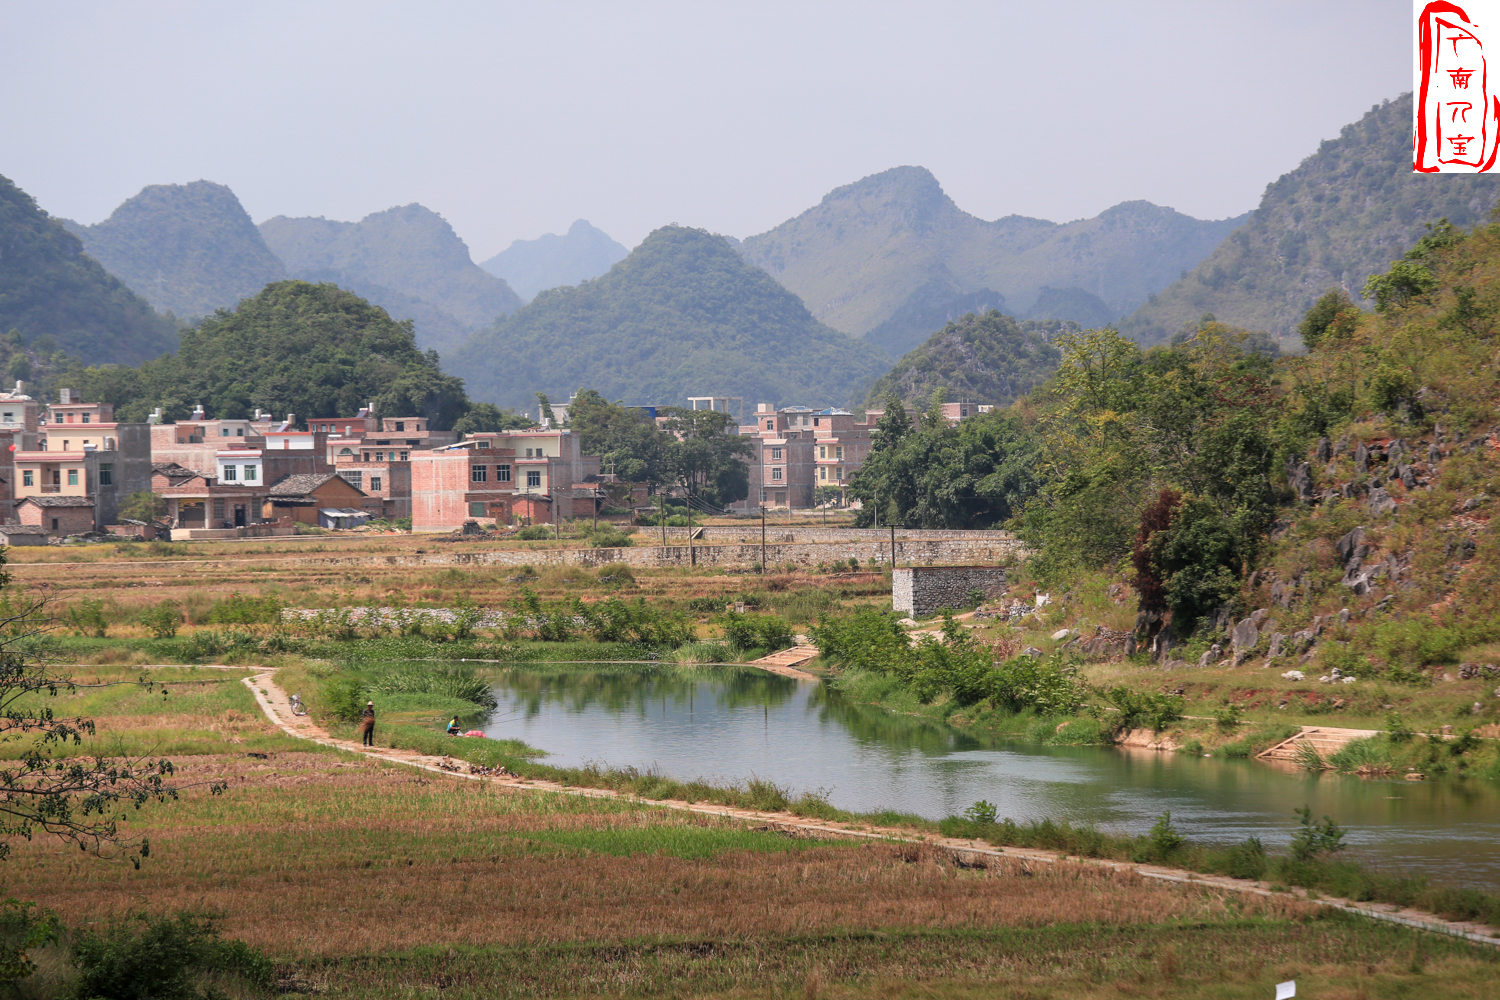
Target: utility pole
661 511
877 508
762 539
692 556
893 546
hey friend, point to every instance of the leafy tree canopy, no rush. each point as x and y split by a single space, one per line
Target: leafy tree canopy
311 350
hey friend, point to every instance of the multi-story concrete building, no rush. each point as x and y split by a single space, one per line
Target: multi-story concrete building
79 452
469 481
798 449
481 477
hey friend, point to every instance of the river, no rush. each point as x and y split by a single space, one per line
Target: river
727 725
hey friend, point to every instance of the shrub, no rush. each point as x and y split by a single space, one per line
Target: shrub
981 812
162 620
239 609
1139 709
344 698
746 631
1162 840
1246 860
86 617
163 958
535 533
1313 839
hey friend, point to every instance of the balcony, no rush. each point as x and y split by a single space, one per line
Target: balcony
51 489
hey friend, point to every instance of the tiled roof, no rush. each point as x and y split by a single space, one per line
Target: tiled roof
58 501
300 485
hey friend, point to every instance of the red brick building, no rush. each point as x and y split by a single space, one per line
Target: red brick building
57 515
799 449
460 483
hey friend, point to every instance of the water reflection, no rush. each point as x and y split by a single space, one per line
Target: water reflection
726 724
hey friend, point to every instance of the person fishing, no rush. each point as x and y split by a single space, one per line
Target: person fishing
367 723
453 729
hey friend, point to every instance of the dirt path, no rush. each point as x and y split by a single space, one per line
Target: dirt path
277 706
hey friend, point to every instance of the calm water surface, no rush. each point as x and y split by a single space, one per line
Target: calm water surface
732 725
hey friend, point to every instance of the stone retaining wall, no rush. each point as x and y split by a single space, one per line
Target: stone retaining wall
749 533
992 551
921 590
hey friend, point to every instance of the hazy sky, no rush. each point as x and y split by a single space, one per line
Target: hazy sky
513 119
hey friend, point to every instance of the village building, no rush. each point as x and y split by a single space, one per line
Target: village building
468 481
799 449
301 497
195 500
79 451
57 514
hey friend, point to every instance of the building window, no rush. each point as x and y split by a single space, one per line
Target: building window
479 473
840 471
400 425
775 454
822 451
239 432
776 475
502 473
10 417
781 499
85 418
355 479
770 425
250 473
476 509
533 479
26 478
231 473
838 453
375 483
380 456
72 477
223 431
366 456
218 510
54 524
106 475
404 455
823 472
417 426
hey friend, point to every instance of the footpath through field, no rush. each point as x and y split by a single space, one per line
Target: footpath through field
277 706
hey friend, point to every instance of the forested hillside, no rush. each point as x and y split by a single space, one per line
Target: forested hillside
551 261
187 249
407 259
683 315
311 350
60 298
1216 480
989 358
894 238
1344 214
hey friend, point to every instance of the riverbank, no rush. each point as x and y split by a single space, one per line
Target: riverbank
373 874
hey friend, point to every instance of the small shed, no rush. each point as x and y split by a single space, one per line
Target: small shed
342 517
57 515
15 533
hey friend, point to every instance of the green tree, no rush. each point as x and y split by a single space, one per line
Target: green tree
144 506
708 456
626 439
1320 318
481 417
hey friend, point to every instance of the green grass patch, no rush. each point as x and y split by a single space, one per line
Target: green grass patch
686 841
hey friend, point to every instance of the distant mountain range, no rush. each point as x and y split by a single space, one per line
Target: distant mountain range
59 298
407 259
683 314
551 261
892 251
1345 213
187 249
